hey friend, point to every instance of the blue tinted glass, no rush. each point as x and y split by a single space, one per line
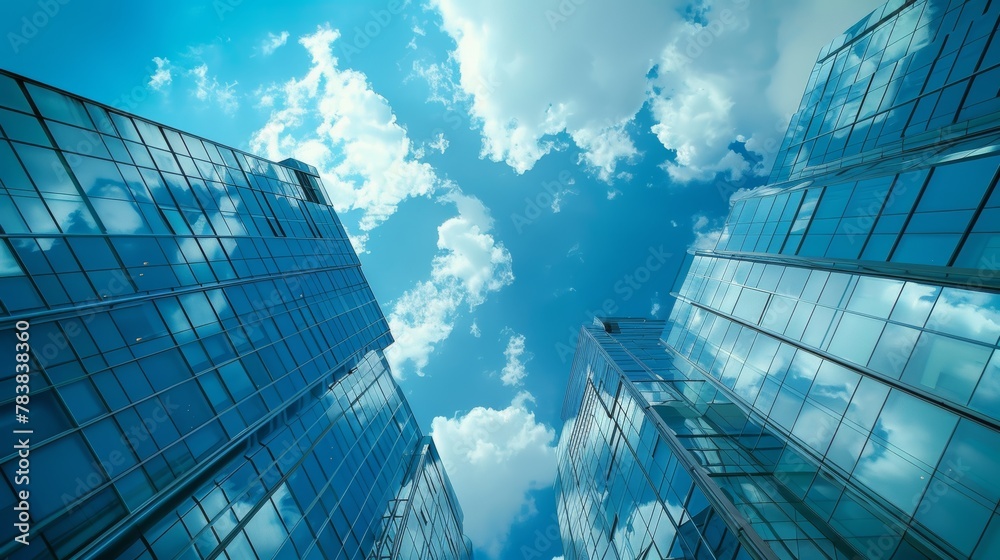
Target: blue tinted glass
958 186
54 105
11 95
24 128
930 249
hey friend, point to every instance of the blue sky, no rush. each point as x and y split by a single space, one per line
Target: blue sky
507 170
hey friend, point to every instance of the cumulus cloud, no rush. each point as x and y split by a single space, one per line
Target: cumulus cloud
707 233
730 76
474 330
507 447
514 370
332 118
470 264
207 88
162 76
273 42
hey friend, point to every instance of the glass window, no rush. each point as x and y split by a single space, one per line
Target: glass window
99 177
46 169
846 447
987 396
61 463
820 325
54 105
8 266
980 250
750 305
893 350
833 293
82 400
815 427
904 192
934 367
120 216
11 95
887 473
915 426
110 445
969 314
71 213
834 386
78 140
875 296
939 511
972 459
933 249
125 127
956 221
867 403
958 186
12 174
24 128
915 303
856 338
834 201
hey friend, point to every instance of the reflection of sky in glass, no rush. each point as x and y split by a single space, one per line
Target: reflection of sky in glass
969 314
916 427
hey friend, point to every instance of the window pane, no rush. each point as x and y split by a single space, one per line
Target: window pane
968 314
942 192
933 249
893 349
856 338
914 426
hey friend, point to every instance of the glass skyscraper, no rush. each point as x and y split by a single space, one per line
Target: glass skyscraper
204 361
828 382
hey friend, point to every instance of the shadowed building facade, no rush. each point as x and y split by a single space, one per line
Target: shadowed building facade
828 382
207 377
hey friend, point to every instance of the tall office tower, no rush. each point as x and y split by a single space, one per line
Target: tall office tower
205 376
829 381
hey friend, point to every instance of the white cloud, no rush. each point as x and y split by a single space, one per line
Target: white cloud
333 119
209 89
514 370
162 76
707 233
528 82
273 42
673 223
470 264
655 310
506 447
474 329
440 143
532 73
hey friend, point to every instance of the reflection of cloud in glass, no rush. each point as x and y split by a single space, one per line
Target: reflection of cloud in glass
119 216
968 314
913 435
915 303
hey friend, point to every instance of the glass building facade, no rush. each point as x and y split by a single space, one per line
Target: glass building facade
206 370
828 382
